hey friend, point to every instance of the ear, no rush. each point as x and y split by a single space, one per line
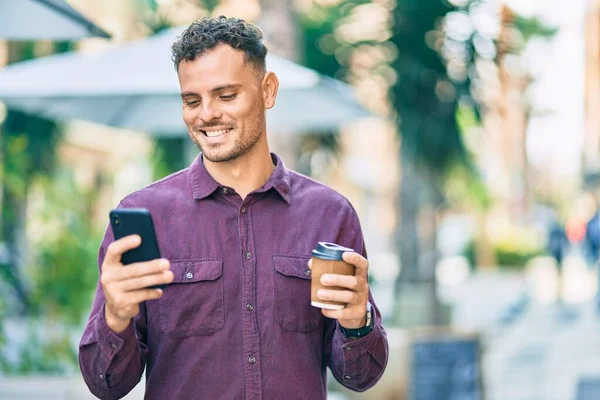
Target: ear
270 86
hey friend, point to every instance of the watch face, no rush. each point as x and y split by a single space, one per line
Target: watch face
368 314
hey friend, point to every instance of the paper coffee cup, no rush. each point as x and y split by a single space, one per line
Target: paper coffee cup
327 259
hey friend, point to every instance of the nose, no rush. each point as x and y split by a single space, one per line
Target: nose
209 112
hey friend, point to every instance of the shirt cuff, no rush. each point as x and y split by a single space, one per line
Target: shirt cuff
354 349
111 343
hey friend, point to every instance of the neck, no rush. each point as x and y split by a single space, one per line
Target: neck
246 173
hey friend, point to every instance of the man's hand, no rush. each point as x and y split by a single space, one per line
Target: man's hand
125 287
355 295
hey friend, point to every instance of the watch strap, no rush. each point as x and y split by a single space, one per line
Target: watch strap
360 332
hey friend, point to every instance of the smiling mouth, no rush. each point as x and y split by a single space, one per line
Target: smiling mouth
218 133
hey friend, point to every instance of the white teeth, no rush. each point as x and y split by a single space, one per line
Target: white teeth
216 133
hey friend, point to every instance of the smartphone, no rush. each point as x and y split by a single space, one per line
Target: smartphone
136 221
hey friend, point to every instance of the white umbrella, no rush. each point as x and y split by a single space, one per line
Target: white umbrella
135 86
44 19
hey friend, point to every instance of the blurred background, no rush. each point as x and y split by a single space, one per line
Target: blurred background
466 133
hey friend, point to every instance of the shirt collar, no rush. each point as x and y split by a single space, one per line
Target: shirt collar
203 184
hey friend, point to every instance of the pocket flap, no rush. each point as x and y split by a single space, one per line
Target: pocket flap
189 271
296 266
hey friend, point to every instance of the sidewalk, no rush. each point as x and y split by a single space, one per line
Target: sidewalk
544 355
534 348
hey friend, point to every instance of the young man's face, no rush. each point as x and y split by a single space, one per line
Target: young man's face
223 103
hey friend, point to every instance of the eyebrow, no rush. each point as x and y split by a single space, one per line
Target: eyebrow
217 89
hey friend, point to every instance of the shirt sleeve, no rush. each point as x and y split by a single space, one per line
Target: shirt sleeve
111 363
356 363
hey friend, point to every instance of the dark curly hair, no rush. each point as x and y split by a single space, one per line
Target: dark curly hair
208 33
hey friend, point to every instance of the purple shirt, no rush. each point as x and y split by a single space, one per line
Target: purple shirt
236 323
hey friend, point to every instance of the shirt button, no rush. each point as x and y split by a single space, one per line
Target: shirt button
225 190
114 346
243 210
189 275
347 377
308 271
250 307
251 360
348 348
248 255
101 376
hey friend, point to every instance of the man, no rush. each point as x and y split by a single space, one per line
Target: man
236 230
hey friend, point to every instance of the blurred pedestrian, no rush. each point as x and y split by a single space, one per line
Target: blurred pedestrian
558 244
592 249
592 239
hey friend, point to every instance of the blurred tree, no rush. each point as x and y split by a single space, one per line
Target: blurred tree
66 247
512 106
323 50
438 48
45 351
426 102
27 148
46 255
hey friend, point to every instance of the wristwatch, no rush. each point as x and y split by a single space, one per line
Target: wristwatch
360 332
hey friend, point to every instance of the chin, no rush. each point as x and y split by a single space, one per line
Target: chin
220 156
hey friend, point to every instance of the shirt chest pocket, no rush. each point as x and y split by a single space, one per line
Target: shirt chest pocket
293 311
192 305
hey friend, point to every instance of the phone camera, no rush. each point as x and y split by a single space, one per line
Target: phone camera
117 221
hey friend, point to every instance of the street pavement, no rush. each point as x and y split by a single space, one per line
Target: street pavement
536 346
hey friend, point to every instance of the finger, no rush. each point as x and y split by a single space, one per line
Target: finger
116 249
140 269
138 296
310 264
347 313
341 296
164 277
345 281
333 314
361 263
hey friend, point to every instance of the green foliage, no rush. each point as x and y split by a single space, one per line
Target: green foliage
41 354
463 187
156 19
168 156
525 29
428 99
66 249
425 98
27 150
28 142
323 49
327 52
151 16
3 363
513 249
515 258
209 5
62 276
